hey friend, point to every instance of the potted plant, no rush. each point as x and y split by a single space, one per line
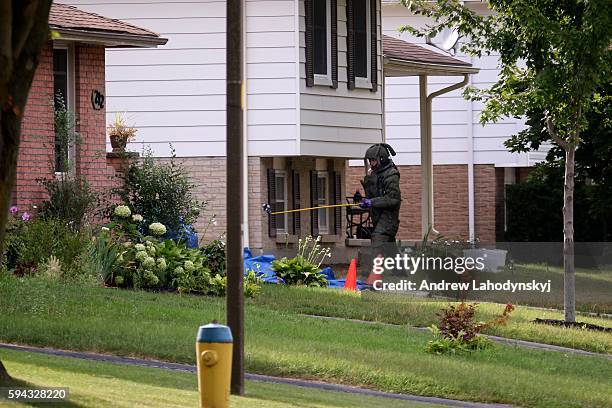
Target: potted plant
120 133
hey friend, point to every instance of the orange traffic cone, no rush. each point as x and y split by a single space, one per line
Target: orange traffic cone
351 277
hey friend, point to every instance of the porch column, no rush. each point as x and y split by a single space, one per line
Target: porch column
427 203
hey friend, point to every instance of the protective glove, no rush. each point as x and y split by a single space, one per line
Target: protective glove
365 203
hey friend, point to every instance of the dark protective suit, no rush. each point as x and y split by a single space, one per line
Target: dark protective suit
382 187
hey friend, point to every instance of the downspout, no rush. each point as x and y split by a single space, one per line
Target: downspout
427 199
245 137
471 197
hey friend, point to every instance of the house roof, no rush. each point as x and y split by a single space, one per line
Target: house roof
421 60
77 25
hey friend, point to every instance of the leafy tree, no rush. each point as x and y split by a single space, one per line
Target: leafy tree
554 54
593 164
24 29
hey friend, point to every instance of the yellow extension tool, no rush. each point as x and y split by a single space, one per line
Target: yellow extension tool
267 208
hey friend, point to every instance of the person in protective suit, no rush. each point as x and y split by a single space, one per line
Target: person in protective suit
383 196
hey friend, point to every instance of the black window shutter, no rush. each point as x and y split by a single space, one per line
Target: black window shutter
296 202
272 202
314 195
309 37
336 181
334 43
350 45
374 45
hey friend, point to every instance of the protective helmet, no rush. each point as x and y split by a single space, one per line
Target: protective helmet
380 152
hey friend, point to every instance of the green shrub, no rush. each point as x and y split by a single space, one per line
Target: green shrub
251 284
455 344
70 200
457 330
298 271
32 241
160 192
101 256
214 256
304 268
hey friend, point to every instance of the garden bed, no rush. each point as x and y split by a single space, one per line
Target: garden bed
575 325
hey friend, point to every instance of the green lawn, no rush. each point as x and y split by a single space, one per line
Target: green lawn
98 384
593 288
281 342
415 311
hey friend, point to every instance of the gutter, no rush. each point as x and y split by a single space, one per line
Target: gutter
109 39
431 69
471 193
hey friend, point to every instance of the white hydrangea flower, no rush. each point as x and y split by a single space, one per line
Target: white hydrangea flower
189 266
161 264
148 262
137 218
139 247
157 229
141 255
179 270
122 211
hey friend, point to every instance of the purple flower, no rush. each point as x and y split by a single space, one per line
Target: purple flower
25 216
14 210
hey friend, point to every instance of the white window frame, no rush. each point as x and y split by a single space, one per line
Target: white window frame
281 174
366 82
320 79
70 102
324 175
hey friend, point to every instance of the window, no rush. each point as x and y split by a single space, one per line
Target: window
322 36
322 199
280 201
321 42
361 34
362 44
63 78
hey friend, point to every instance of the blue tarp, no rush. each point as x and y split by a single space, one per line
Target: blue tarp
263 266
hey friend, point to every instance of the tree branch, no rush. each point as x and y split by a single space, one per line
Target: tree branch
550 126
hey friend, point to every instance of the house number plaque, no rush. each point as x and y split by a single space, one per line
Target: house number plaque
97 99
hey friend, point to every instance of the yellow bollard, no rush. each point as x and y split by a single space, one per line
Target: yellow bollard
214 356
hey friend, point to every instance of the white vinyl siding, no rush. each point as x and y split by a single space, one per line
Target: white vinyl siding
338 122
451 119
176 93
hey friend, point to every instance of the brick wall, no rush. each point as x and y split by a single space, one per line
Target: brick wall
36 158
91 153
209 174
36 152
450 200
484 202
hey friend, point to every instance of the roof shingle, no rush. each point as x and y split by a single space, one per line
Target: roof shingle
70 17
403 50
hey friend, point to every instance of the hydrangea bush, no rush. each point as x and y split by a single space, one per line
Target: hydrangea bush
148 261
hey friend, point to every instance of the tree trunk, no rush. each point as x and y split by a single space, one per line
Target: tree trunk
4 375
569 277
10 132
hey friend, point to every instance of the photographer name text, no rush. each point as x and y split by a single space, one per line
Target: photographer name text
424 285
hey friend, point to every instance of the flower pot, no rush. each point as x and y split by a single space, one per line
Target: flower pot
118 143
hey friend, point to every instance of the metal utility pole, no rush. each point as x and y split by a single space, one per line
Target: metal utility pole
234 149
